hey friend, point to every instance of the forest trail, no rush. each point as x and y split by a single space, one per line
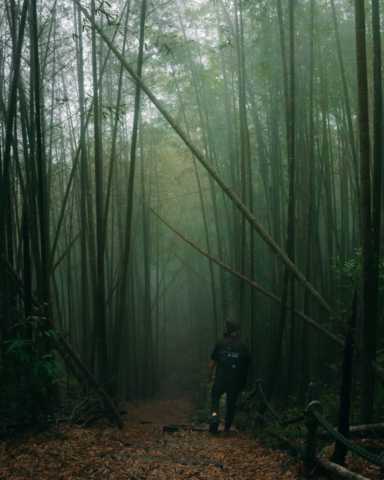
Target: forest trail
74 452
142 450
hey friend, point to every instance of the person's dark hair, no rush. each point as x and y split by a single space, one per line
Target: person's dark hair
231 334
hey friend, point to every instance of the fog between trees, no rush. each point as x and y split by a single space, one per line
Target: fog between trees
269 121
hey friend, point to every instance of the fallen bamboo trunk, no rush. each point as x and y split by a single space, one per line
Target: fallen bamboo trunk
326 465
362 430
338 470
71 352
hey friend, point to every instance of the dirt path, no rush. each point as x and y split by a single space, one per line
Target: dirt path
73 452
100 452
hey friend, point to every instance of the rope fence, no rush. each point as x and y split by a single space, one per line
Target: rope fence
313 418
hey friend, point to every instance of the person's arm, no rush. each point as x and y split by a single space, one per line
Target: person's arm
212 364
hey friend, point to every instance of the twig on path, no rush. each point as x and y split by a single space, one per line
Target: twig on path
133 444
176 428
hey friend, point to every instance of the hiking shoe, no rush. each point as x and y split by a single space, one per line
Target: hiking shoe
214 423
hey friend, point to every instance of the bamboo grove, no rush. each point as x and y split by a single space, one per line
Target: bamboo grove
166 165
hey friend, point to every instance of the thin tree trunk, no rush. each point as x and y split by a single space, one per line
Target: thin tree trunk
27 275
346 98
284 64
346 386
119 320
43 200
100 320
290 241
128 223
327 198
240 75
369 322
148 353
304 367
291 199
85 312
377 168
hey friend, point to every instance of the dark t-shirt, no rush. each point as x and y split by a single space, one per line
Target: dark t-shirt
232 364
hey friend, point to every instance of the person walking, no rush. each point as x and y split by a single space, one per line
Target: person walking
231 359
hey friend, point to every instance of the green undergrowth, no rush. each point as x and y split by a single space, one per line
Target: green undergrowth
31 375
194 381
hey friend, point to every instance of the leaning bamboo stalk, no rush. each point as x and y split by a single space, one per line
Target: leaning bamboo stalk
253 284
62 256
221 182
68 347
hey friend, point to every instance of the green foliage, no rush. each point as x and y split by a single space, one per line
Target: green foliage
202 415
246 398
111 18
30 375
330 403
348 272
243 421
227 41
294 430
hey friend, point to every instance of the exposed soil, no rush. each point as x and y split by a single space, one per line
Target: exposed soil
74 452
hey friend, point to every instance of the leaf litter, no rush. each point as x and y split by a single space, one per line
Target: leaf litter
144 451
